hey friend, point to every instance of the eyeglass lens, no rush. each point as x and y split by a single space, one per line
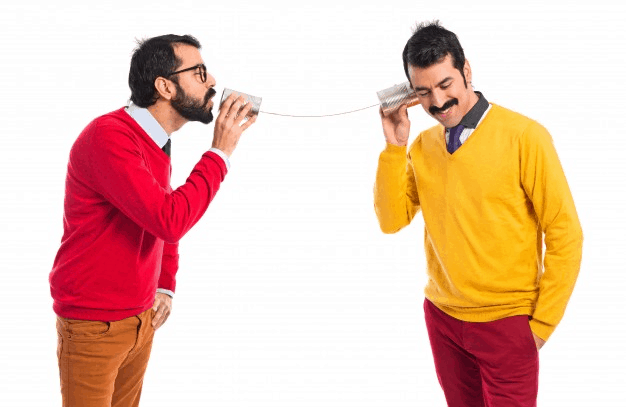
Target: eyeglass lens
202 73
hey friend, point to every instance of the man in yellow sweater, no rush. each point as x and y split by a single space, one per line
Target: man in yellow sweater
490 187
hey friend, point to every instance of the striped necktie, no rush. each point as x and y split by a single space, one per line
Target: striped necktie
454 138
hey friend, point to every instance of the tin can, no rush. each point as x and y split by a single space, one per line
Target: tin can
255 100
397 95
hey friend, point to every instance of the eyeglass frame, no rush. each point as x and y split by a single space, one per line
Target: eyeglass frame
203 72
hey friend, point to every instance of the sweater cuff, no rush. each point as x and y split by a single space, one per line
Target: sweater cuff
541 329
393 155
395 149
222 155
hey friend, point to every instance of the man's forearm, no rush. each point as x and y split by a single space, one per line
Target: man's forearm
394 204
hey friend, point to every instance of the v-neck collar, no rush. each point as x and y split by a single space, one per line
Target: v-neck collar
442 135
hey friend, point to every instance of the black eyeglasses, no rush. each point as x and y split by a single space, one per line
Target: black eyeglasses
201 70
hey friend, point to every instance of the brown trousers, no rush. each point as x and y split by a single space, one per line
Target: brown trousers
102 364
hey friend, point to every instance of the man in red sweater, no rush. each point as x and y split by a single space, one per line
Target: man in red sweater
114 275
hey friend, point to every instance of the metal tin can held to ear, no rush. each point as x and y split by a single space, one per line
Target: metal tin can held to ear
255 100
397 95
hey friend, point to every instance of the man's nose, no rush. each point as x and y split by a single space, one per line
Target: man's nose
210 81
438 98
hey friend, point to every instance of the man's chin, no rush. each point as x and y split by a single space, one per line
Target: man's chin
204 119
193 113
208 119
446 122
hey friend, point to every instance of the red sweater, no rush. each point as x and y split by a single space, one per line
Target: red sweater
122 221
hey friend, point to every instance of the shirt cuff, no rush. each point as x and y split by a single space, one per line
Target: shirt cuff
222 155
164 291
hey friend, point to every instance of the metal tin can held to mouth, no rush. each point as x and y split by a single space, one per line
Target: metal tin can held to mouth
255 100
397 95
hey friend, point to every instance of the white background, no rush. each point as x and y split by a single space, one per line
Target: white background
288 293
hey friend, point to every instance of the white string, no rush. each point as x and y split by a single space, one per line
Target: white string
322 115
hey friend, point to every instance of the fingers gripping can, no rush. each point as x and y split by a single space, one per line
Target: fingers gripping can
397 95
255 100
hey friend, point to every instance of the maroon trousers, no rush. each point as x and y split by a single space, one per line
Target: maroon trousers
484 364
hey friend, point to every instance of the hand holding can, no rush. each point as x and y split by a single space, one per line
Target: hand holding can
233 120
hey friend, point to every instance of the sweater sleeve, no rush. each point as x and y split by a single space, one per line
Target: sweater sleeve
169 267
545 184
395 191
116 169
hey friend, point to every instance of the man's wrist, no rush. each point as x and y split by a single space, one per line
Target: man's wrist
165 291
398 143
396 149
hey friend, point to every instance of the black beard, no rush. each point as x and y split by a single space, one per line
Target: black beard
434 109
193 110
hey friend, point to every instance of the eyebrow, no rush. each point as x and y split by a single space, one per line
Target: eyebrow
420 88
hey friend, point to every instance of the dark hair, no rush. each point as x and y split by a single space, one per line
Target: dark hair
431 43
152 58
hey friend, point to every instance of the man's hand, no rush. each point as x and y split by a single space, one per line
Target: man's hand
396 126
163 307
538 341
228 127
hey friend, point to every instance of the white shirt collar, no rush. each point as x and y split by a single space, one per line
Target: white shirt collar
148 123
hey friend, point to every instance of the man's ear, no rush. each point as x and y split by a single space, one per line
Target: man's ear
165 88
467 72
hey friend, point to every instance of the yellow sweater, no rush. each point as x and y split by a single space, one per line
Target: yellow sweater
486 208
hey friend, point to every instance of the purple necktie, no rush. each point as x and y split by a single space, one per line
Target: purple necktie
454 141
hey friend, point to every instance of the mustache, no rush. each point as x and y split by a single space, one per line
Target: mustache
209 95
434 109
